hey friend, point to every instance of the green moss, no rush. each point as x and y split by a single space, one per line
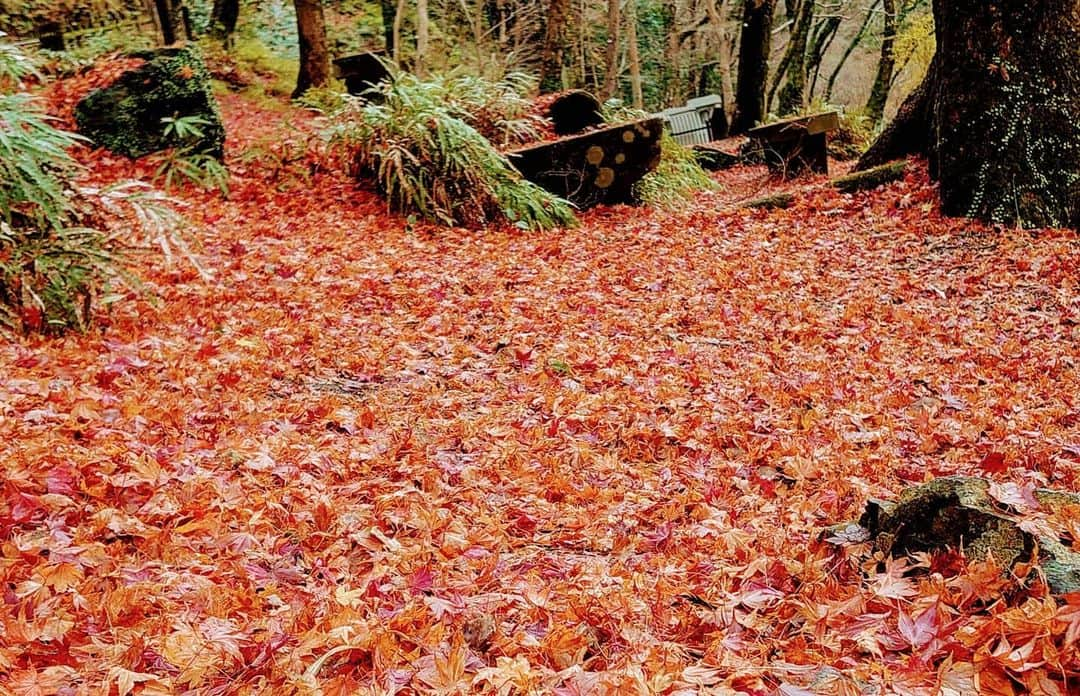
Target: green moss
870 178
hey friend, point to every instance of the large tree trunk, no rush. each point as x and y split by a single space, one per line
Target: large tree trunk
314 59
754 45
999 112
879 93
554 55
223 19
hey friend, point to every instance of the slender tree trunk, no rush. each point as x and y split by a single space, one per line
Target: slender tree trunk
611 52
823 38
850 49
754 45
420 65
554 55
167 20
793 95
388 9
879 93
999 112
223 19
633 56
314 59
399 15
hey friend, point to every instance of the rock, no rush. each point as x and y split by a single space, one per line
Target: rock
126 117
599 166
962 512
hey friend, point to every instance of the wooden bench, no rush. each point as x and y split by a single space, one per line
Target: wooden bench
796 145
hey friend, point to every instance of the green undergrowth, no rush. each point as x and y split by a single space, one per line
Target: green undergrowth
679 175
60 257
428 147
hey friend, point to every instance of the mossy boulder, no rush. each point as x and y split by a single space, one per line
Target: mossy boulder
126 117
967 513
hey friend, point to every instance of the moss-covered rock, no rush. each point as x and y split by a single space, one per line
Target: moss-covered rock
126 117
961 512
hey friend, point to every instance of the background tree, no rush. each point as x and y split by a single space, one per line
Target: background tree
555 53
388 10
223 18
754 46
314 59
168 19
611 51
879 93
422 38
998 113
800 16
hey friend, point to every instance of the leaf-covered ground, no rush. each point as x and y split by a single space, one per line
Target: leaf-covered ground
373 457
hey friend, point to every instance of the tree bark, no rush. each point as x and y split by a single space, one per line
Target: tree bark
553 57
611 52
754 45
879 93
314 59
223 19
999 112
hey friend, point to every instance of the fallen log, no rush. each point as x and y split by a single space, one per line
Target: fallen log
870 178
775 201
600 166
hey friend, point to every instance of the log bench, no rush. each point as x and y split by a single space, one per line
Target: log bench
796 145
599 166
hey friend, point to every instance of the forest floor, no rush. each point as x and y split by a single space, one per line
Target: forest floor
370 456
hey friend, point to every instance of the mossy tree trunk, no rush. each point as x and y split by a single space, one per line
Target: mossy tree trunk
754 45
879 93
314 59
793 64
999 112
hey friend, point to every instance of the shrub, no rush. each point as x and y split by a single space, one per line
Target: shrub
53 262
422 147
